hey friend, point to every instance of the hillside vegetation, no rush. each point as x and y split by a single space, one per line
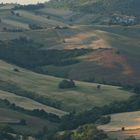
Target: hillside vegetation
66 66
127 7
47 86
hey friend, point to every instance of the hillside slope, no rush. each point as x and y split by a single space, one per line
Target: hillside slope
83 97
128 7
98 11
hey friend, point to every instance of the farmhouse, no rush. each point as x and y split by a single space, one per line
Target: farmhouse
122 20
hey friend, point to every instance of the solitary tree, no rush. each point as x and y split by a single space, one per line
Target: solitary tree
98 86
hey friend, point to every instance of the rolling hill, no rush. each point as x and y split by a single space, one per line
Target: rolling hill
114 51
43 44
47 86
128 7
97 11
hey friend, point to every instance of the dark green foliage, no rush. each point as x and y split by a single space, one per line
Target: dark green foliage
6 136
65 136
103 120
6 128
86 132
36 112
98 86
137 88
22 122
16 69
26 53
67 84
35 26
29 7
72 121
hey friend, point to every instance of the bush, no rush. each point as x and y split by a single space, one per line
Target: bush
22 122
66 84
104 120
16 70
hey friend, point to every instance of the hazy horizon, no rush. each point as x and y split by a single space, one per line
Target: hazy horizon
23 1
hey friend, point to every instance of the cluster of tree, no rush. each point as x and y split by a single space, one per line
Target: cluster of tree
86 132
103 120
64 84
30 7
15 13
26 53
135 88
35 26
11 87
5 29
61 27
36 112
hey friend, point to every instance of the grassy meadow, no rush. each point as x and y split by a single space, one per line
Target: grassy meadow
83 97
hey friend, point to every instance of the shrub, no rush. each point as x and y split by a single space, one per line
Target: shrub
98 86
104 120
66 84
16 69
22 122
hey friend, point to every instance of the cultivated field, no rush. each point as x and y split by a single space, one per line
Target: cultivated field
130 121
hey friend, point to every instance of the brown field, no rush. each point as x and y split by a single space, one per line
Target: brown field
109 58
85 40
130 121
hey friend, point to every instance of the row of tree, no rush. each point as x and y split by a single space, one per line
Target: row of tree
35 112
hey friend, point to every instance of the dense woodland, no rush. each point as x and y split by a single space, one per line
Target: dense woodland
26 53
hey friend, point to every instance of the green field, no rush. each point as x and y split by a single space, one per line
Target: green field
28 103
84 96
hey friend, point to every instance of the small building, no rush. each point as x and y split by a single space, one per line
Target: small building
117 19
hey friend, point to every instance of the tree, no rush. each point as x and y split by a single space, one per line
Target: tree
16 69
123 128
23 122
67 84
98 86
